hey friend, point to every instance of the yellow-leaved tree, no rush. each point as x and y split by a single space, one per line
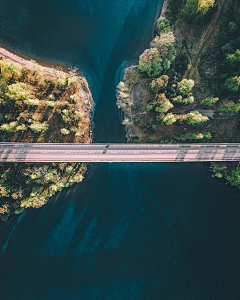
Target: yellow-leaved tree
197 9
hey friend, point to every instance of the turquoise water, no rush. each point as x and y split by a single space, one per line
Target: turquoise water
129 231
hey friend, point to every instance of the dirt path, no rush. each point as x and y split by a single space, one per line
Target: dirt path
206 39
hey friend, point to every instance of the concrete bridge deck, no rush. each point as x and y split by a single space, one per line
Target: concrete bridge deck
40 152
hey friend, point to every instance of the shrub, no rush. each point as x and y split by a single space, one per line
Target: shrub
169 119
194 136
149 106
9 127
233 59
232 27
50 103
52 97
62 82
37 127
195 118
123 97
227 49
75 98
229 107
232 84
33 102
65 131
10 69
21 127
17 91
136 120
209 101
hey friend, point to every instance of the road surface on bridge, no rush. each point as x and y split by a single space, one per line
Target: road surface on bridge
39 152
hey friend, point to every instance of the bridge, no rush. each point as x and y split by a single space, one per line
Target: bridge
50 152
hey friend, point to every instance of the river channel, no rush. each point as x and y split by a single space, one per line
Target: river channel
128 231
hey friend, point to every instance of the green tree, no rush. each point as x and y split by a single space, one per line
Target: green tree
234 177
17 91
159 84
232 84
162 104
196 9
185 86
229 106
151 62
169 119
162 24
233 59
195 118
37 127
9 127
65 131
232 27
209 101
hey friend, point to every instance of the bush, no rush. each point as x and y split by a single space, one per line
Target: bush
232 84
227 49
21 127
52 97
149 106
50 103
163 42
136 120
179 99
234 177
169 119
37 127
65 131
9 127
33 102
229 107
232 27
17 91
209 102
195 118
10 69
194 136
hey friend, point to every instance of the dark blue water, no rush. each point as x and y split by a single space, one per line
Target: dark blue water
129 231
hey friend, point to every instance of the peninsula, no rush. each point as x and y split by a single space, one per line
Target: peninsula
44 105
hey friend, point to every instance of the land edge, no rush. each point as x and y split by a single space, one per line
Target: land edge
162 13
56 71
34 65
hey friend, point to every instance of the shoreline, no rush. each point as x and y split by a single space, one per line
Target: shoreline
162 13
34 65
42 62
83 104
